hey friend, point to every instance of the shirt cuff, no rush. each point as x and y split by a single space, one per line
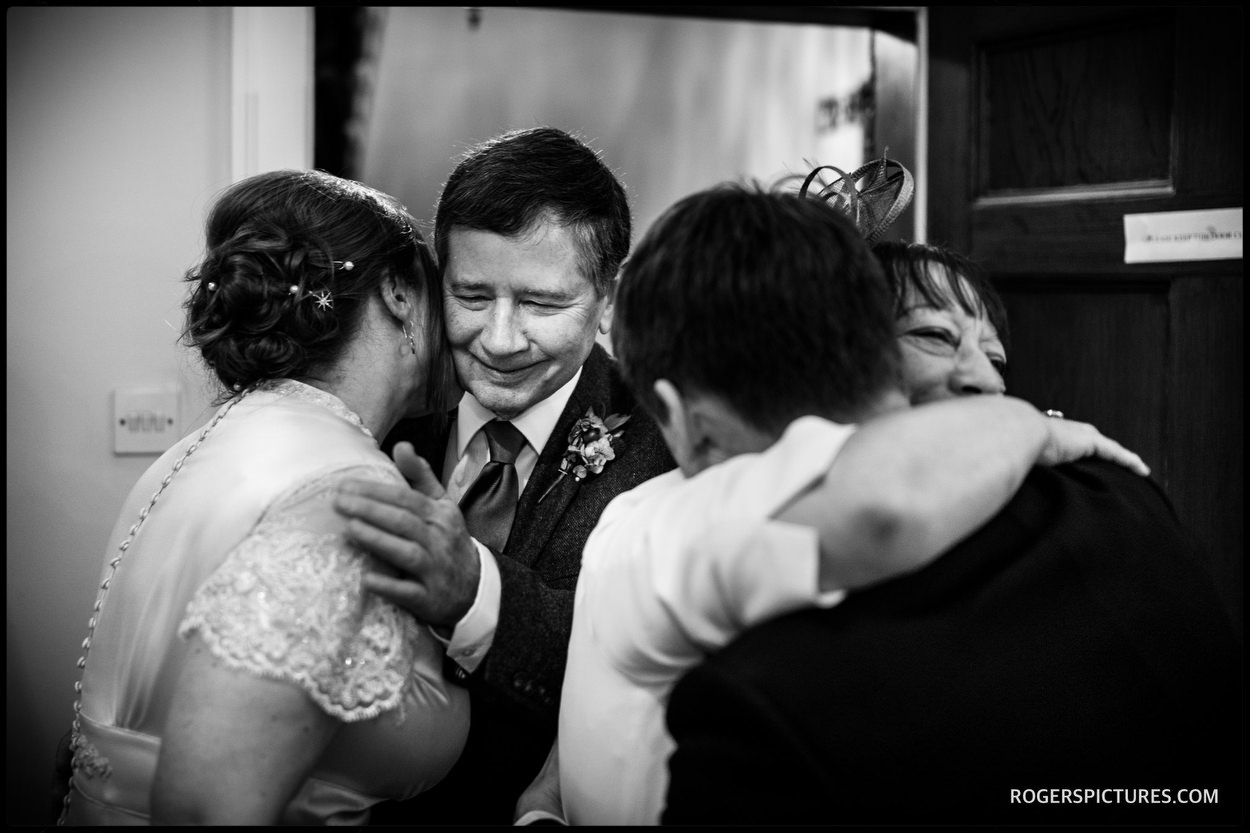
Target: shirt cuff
475 632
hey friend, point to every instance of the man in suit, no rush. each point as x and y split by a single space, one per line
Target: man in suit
530 230
1069 662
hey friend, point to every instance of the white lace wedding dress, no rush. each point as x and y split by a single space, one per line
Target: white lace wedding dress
244 549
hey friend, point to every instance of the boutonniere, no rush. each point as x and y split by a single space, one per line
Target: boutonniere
590 446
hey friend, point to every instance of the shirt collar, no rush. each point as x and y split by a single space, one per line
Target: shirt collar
536 423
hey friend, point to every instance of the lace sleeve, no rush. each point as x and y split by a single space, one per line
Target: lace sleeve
288 604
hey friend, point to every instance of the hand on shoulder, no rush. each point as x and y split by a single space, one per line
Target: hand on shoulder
420 532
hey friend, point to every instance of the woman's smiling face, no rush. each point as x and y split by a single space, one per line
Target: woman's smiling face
947 351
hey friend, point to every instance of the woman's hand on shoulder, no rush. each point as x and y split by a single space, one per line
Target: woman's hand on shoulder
1069 440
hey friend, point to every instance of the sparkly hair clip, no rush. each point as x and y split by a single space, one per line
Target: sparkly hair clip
345 265
212 287
323 297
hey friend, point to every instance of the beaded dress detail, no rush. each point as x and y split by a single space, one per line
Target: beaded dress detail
288 604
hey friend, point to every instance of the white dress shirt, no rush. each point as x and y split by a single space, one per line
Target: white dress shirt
467 453
675 568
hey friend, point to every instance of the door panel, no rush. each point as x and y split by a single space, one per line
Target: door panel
1046 127
1056 108
1047 319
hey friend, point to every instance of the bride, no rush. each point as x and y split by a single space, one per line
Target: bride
235 671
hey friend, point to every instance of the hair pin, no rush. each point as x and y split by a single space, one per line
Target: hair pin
345 265
212 287
294 289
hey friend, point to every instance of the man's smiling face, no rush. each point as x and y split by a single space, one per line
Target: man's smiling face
521 316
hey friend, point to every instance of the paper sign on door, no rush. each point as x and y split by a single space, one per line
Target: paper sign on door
1182 235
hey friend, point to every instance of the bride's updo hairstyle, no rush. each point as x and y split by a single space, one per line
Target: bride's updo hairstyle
291 257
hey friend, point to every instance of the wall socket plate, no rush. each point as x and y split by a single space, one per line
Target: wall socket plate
145 420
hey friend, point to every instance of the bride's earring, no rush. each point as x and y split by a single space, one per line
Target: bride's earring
412 342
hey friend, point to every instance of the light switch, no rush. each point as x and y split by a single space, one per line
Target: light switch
145 420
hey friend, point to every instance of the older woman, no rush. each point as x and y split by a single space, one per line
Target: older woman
951 324
236 672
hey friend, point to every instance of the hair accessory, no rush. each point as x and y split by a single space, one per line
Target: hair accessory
345 265
324 301
212 287
873 195
294 290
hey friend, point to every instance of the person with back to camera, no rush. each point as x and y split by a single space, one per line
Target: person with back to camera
782 500
236 670
1069 662
530 230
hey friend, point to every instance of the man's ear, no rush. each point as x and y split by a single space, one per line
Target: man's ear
675 426
605 317
702 430
674 422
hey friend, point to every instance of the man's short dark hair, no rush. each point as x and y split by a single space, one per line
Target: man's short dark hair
508 184
770 301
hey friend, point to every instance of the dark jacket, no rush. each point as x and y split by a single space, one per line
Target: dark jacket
1073 642
515 692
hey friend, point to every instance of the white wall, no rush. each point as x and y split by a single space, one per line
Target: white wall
119 135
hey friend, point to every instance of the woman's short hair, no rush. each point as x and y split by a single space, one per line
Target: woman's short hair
933 273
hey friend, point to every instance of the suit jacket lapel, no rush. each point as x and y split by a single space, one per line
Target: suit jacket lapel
538 511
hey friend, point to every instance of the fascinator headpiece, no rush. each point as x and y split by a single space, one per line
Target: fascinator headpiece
873 195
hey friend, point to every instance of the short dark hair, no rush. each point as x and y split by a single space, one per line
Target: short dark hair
912 265
280 230
508 184
770 301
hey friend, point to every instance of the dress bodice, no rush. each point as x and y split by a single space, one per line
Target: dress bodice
244 549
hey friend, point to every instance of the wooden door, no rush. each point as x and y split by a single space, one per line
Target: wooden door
1046 126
